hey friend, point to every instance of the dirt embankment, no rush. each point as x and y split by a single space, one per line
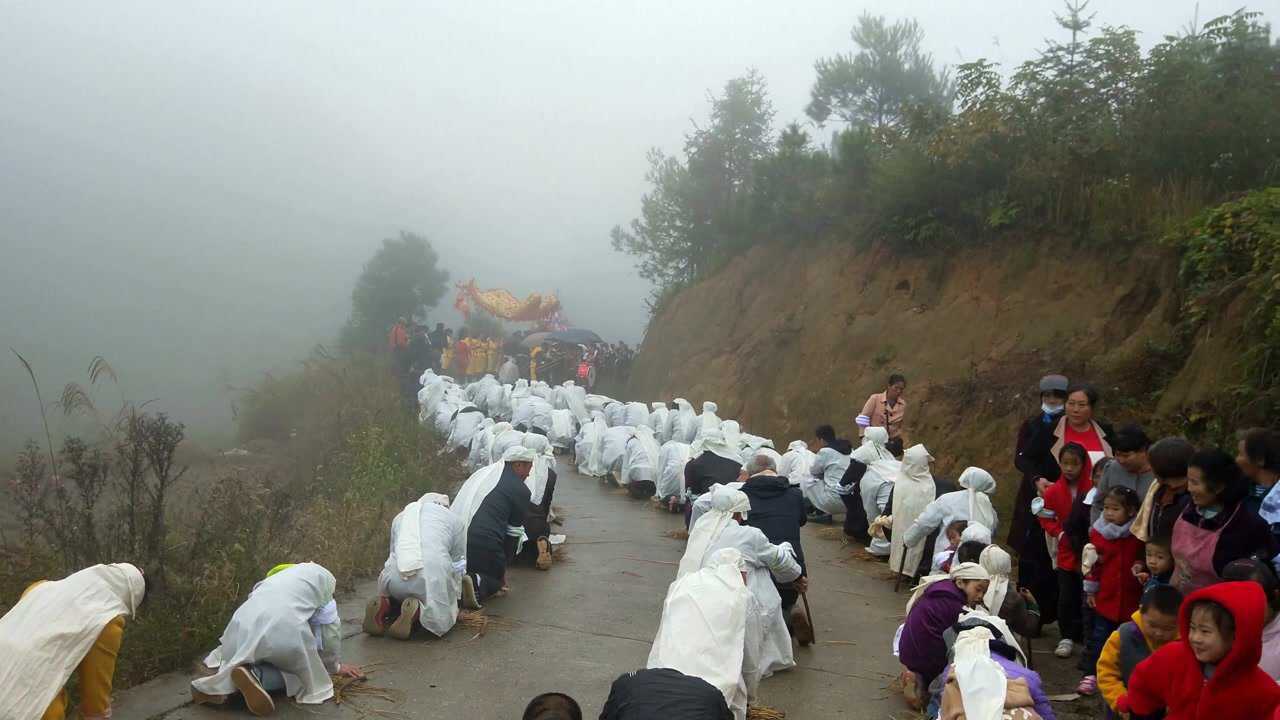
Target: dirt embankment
788 338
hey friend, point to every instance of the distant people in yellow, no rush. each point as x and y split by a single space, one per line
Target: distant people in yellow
534 354
446 355
494 347
478 359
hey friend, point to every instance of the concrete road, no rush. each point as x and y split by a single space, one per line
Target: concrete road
575 628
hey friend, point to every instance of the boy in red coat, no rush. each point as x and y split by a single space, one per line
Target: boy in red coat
1058 498
1212 672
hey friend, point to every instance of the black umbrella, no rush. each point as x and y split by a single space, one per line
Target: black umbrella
534 339
576 336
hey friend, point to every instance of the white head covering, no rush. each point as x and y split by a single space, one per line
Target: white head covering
725 501
982 682
436 498
408 540
999 624
976 532
46 634
969 571
732 433
703 628
519 453
980 485
658 405
959 571
710 407
543 460
913 490
714 441
999 565
873 447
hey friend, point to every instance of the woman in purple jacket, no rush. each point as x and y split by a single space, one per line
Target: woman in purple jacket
934 607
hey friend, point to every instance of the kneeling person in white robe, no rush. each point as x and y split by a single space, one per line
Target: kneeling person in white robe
287 636
64 627
703 628
422 579
767 647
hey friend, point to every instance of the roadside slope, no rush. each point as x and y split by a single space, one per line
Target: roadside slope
784 338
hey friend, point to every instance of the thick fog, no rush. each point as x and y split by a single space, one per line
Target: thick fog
190 189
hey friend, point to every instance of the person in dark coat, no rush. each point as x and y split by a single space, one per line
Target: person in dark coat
777 509
438 342
664 693
1161 509
537 522
419 351
709 469
856 522
1036 458
488 544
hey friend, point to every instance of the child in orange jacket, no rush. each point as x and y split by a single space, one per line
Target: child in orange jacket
1153 626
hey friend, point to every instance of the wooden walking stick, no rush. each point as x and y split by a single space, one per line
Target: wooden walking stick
813 629
902 566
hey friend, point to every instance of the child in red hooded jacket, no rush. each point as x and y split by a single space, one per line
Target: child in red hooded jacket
1212 672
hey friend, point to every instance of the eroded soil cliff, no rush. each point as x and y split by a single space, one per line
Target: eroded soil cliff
787 338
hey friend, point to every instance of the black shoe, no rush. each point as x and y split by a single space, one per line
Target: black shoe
821 518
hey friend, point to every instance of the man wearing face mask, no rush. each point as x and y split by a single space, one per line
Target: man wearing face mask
1039 470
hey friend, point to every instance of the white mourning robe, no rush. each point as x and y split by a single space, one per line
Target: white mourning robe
767 646
823 487
281 623
442 537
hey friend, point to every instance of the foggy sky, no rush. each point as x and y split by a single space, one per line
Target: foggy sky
190 188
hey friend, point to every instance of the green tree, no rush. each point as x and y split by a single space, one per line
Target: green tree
790 193
875 85
401 280
694 215
662 238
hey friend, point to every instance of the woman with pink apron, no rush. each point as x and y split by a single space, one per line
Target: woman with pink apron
1193 549
1216 527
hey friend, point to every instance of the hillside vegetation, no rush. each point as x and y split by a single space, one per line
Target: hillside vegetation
1097 211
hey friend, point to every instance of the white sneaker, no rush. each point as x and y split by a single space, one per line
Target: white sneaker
1064 649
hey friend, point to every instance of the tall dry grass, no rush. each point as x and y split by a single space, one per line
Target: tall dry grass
350 456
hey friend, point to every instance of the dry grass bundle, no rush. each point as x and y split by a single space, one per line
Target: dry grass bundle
833 533
353 691
760 712
863 555
677 534
478 622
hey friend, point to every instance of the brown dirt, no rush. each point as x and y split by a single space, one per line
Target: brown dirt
786 338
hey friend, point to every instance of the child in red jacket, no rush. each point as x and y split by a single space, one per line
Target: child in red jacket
1058 497
1110 587
1212 672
